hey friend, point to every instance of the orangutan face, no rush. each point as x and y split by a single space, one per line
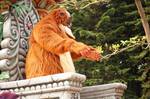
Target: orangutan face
68 21
62 16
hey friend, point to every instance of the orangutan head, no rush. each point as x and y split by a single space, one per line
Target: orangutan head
62 16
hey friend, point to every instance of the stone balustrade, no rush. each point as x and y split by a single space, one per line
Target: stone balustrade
59 86
62 86
106 91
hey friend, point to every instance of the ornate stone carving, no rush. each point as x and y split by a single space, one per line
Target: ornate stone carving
62 86
16 31
59 86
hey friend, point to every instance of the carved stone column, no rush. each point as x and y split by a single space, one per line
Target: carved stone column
16 30
59 86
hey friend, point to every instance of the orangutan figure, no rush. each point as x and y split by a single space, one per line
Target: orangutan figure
49 40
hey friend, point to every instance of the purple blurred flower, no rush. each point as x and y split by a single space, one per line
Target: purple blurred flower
8 95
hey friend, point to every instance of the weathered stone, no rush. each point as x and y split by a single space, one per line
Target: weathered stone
106 91
14 44
51 87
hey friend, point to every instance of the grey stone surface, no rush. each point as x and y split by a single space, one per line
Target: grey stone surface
106 91
64 86
14 46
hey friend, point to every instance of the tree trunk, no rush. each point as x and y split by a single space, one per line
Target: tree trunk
144 20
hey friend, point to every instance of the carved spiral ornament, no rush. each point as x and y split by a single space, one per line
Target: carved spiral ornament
16 31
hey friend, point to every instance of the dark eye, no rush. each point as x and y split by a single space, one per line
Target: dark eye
62 14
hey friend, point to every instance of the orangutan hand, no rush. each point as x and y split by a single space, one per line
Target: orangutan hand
90 53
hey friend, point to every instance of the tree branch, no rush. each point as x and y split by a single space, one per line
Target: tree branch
120 51
92 3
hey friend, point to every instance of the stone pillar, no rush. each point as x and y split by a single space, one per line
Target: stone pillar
59 86
106 91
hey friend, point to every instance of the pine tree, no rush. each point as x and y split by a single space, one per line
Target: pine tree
113 26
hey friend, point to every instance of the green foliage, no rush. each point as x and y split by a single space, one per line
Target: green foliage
115 28
4 75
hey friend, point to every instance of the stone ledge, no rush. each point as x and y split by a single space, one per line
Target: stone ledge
71 77
104 87
64 86
106 91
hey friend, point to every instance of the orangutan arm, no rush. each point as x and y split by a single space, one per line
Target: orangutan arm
75 50
75 56
81 50
52 42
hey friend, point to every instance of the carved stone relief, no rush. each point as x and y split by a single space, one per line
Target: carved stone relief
14 46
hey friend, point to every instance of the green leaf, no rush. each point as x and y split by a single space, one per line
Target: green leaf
4 75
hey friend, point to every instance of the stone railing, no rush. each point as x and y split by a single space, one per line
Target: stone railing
106 91
62 86
59 86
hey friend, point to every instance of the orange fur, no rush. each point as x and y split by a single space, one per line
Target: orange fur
42 12
47 42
